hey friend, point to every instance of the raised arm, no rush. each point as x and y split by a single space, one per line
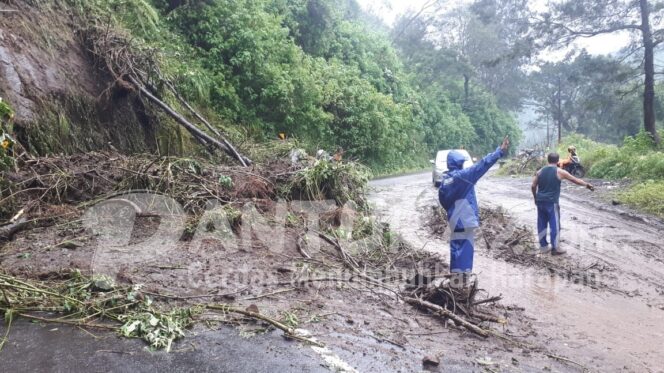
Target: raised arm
564 175
475 172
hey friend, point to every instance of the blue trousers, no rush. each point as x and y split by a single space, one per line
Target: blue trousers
548 218
462 250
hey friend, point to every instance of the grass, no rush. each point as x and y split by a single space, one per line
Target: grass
646 196
638 159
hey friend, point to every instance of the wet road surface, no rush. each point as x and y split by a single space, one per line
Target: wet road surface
616 330
57 348
603 330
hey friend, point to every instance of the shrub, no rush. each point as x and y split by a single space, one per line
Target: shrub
638 158
647 196
341 181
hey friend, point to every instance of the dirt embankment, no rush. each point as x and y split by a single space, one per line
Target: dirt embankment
60 98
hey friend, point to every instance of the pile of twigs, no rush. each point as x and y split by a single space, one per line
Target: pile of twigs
515 244
83 179
458 303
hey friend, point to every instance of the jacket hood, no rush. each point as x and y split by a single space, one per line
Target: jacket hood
455 160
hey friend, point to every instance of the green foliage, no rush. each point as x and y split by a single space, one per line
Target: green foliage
588 95
647 196
341 181
158 329
6 112
452 114
313 69
80 299
226 181
637 159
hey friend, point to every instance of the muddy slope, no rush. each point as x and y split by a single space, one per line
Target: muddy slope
59 97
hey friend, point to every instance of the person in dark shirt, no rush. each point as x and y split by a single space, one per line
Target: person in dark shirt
546 191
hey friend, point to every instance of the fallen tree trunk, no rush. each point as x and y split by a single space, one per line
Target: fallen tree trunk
195 131
131 69
230 146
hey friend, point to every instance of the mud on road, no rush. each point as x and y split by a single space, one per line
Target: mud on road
552 323
187 257
601 305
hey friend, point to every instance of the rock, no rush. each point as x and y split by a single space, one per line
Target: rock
103 283
253 308
429 361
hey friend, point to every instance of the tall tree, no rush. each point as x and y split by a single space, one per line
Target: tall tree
491 37
572 19
587 94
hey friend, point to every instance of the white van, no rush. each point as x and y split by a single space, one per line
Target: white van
440 164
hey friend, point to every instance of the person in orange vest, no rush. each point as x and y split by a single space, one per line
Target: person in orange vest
571 157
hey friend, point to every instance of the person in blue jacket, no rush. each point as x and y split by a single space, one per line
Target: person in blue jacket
457 196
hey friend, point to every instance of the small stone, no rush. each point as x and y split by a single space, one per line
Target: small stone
430 361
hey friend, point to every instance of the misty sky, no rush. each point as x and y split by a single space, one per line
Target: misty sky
389 10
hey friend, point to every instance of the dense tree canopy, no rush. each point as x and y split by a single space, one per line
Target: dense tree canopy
323 72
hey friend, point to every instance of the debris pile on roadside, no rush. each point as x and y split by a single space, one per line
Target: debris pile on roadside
527 162
48 268
506 240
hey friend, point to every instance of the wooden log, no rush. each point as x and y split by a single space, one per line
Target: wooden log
195 131
442 312
8 231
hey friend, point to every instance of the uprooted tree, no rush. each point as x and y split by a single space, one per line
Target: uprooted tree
138 70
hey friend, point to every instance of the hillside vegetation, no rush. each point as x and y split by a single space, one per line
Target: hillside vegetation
638 159
320 71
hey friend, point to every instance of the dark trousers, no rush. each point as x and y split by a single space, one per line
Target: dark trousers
548 218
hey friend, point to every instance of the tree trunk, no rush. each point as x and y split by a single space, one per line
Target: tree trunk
466 88
649 123
560 111
548 133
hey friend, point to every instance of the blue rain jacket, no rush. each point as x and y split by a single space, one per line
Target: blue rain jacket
457 189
